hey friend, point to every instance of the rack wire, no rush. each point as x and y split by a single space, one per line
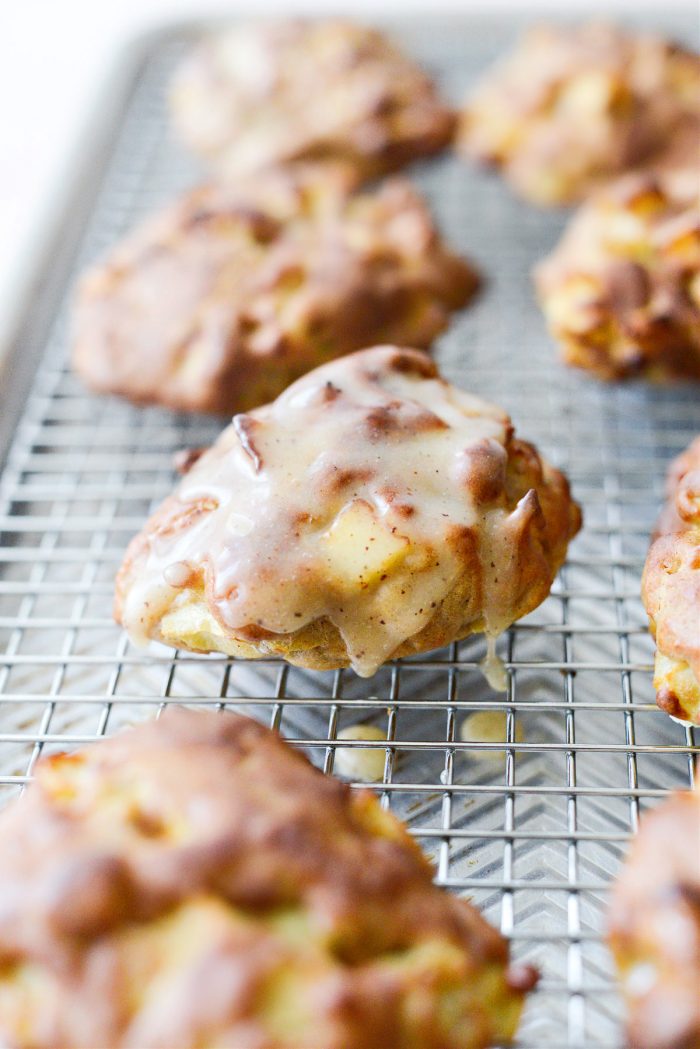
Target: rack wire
532 828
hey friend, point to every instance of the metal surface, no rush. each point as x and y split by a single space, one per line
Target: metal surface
532 828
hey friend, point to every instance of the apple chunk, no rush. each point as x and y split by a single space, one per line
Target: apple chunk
361 548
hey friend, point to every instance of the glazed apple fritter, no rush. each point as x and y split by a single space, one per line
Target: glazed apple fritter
655 927
573 106
269 93
195 882
232 292
373 510
621 292
671 591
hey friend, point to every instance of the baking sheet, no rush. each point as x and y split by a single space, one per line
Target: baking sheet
532 829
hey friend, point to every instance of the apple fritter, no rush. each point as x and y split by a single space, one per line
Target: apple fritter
573 106
671 591
655 927
372 511
196 882
233 291
267 93
621 291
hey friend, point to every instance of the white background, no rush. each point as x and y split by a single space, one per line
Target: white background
54 54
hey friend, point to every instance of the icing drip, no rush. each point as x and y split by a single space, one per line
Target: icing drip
493 668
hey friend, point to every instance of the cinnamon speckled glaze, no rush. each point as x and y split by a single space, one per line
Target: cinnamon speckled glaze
671 591
233 291
655 927
195 882
373 510
266 93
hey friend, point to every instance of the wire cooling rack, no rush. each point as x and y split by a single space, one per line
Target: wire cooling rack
534 827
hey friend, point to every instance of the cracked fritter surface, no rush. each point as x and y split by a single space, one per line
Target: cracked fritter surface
231 293
287 90
671 591
195 882
572 106
655 927
621 292
372 511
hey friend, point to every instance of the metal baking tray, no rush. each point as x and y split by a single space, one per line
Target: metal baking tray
534 828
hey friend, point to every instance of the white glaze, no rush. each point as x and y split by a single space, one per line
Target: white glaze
177 574
362 763
488 726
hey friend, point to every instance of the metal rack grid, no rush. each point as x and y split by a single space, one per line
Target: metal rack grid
532 828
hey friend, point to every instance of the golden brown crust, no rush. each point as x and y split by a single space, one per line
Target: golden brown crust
372 511
671 591
262 94
196 882
621 292
231 293
574 105
655 927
